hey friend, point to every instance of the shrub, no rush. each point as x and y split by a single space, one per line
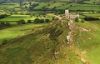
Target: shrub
91 18
77 20
7 24
21 22
4 42
37 20
29 21
47 20
42 21
2 23
3 16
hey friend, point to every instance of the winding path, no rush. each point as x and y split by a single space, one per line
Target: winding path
70 38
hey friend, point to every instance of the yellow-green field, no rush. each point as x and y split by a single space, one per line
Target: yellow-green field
17 31
89 41
14 18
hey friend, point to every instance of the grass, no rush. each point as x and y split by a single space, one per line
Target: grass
84 7
41 6
70 6
39 47
90 41
8 5
92 14
17 31
14 18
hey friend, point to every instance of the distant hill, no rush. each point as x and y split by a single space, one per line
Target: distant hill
79 1
7 1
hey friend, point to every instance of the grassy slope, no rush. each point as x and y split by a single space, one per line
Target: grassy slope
70 6
10 5
17 31
90 41
40 47
92 15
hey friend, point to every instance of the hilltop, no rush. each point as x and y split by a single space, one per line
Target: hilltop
45 45
48 44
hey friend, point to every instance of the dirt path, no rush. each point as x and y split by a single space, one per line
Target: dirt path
71 32
70 38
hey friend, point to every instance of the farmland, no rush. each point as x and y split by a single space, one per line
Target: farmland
70 6
89 41
14 18
17 31
25 19
51 6
39 32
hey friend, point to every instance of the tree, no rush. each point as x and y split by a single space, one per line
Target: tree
77 1
21 3
29 21
37 20
21 22
47 20
97 2
30 2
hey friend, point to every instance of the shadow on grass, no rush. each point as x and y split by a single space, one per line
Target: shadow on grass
6 43
9 26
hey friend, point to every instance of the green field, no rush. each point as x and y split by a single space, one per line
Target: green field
9 7
52 6
14 18
70 6
41 30
17 31
39 41
92 14
89 41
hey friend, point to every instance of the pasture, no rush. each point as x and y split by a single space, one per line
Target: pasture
9 7
17 31
14 18
70 6
51 6
92 14
89 41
